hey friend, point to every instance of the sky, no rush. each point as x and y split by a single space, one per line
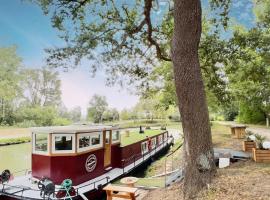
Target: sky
24 25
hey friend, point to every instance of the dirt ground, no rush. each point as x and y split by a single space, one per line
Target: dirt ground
7 133
241 181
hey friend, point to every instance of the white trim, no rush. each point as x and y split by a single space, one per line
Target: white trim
160 141
61 135
116 141
165 136
153 139
34 144
91 146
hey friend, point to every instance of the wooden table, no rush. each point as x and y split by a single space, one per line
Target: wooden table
129 181
120 192
238 131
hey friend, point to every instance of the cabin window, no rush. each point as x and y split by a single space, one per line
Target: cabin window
160 139
144 147
116 136
108 133
89 141
96 139
63 143
40 143
84 141
153 142
165 136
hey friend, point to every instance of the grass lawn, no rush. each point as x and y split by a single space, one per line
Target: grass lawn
151 182
135 136
221 136
147 182
14 140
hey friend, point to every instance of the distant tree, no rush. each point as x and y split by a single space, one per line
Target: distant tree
10 64
110 115
75 114
115 114
149 108
63 111
41 116
125 115
41 87
97 106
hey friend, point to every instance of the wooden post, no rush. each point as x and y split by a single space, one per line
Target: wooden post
165 171
109 194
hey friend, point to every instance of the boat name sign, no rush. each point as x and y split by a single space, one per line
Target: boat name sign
91 163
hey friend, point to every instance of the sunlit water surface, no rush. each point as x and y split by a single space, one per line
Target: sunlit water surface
15 158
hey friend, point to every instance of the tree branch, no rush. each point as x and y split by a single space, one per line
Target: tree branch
147 13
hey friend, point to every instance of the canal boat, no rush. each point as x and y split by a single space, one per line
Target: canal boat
77 161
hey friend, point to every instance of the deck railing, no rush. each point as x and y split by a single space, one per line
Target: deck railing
144 156
21 190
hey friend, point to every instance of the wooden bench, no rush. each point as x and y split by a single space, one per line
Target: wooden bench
120 192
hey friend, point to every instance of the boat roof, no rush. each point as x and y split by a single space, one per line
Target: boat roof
75 128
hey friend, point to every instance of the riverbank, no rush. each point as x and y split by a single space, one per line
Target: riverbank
11 141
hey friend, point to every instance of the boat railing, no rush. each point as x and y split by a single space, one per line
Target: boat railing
20 192
94 183
22 172
145 156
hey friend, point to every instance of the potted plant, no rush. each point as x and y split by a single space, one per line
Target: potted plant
249 143
260 154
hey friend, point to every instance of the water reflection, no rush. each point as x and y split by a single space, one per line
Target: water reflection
15 157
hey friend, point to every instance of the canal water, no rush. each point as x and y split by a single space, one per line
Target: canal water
15 158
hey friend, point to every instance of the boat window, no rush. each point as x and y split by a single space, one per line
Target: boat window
40 142
144 147
63 143
116 136
84 141
89 141
153 142
96 139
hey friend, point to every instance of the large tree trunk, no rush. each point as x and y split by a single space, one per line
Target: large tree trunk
199 156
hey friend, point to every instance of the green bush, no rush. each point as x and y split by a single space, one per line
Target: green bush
250 114
59 121
26 124
42 116
220 118
230 115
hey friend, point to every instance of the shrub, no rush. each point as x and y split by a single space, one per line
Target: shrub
249 114
27 123
259 141
59 121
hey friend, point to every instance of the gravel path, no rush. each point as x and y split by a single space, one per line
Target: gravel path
264 131
7 133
